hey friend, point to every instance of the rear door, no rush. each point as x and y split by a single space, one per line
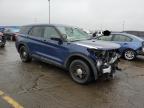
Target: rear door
35 40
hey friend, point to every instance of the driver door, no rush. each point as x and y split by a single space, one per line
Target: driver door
53 49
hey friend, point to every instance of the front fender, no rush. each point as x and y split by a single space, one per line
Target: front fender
85 57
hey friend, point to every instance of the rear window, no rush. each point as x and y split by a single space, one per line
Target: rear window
24 29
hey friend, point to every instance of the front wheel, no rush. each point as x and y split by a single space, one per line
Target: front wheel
24 54
129 54
2 46
80 71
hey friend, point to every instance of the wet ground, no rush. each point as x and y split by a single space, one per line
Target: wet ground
40 85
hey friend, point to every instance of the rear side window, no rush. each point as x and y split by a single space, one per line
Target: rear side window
105 38
121 38
24 29
37 31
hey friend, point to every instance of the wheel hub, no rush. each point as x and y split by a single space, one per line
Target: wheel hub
79 72
129 55
24 54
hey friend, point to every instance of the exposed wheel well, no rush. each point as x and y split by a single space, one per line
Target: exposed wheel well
129 49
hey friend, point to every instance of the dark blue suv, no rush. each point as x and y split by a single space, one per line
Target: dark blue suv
69 48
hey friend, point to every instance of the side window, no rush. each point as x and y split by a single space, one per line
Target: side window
50 32
37 31
24 30
105 38
122 38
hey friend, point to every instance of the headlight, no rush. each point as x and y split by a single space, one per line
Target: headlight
100 53
142 46
99 64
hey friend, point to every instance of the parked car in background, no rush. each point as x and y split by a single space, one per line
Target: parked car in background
97 34
11 33
2 38
131 45
69 48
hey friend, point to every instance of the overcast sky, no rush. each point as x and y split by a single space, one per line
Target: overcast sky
89 14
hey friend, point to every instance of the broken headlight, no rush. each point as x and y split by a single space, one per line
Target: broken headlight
100 53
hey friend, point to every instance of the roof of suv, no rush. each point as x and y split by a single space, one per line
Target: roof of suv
47 25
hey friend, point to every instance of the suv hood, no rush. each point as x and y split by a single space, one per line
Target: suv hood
94 44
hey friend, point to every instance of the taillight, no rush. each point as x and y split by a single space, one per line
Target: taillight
16 36
143 44
1 34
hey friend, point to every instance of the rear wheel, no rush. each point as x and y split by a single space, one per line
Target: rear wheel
129 54
24 54
80 71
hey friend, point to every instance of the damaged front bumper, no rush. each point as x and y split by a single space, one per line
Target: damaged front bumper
107 69
108 65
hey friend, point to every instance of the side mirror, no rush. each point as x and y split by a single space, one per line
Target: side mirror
64 36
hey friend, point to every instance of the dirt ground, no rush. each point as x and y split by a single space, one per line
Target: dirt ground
40 85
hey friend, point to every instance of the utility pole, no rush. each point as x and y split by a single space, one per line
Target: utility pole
49 11
123 26
35 20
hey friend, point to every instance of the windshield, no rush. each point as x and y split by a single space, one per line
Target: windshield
73 34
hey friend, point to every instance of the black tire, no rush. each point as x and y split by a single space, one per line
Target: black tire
80 72
24 55
129 54
2 46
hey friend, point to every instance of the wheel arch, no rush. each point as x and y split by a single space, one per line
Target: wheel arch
128 49
84 58
20 45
